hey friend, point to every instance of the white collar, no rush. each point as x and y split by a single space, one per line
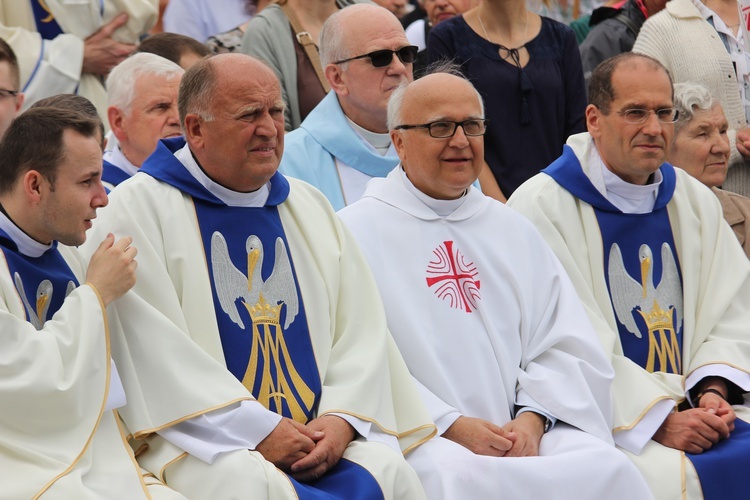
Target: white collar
379 142
26 244
441 207
257 198
629 198
117 158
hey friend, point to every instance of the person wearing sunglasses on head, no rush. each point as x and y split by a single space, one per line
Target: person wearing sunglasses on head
344 142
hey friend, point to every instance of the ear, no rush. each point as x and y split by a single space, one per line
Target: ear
593 120
34 186
336 79
20 98
194 130
116 118
398 143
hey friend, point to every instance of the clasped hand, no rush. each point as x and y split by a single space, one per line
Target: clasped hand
306 452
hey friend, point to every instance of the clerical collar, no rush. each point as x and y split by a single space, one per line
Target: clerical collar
441 207
232 198
27 245
629 198
380 142
117 158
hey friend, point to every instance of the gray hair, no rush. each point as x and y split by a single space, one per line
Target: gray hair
331 43
121 80
197 88
688 98
396 101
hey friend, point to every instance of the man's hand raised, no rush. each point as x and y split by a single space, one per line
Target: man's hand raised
289 442
112 268
101 53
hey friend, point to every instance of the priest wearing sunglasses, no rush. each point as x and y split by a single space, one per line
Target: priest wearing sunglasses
344 141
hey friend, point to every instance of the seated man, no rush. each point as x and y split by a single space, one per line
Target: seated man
485 317
255 271
142 92
59 389
663 281
701 148
11 97
344 141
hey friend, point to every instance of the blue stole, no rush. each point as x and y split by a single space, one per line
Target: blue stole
722 468
45 20
41 282
641 268
113 174
259 310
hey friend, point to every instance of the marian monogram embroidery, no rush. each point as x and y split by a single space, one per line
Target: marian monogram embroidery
271 373
644 308
454 280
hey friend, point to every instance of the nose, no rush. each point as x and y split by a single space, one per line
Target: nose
266 126
100 199
652 125
396 67
174 116
721 145
459 139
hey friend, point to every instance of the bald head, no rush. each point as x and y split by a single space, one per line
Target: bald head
362 88
233 119
441 167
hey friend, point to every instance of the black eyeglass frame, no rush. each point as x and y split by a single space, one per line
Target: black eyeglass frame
429 126
378 57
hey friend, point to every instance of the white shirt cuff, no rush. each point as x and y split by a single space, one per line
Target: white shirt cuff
636 438
241 426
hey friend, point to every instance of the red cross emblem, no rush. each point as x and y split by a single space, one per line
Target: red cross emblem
453 277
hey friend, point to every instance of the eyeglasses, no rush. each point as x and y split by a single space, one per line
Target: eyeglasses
382 58
636 116
8 93
443 129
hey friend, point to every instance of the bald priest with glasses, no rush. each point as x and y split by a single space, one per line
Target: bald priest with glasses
663 279
485 318
344 141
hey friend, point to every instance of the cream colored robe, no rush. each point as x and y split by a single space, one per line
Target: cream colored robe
716 287
56 438
170 314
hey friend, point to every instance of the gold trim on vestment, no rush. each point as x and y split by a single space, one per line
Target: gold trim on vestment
388 431
643 413
164 467
683 475
104 400
129 451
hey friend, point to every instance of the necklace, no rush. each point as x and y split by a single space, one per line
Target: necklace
504 51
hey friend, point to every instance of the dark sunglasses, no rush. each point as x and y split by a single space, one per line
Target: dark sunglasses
382 58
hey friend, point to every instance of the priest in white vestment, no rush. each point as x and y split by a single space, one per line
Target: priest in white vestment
344 141
256 273
60 436
663 279
485 317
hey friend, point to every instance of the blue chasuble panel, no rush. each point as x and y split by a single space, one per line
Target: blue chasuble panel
259 309
45 20
723 469
643 275
41 282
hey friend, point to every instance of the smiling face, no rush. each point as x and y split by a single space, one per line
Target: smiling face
241 146
68 206
152 116
701 147
440 168
633 151
363 90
